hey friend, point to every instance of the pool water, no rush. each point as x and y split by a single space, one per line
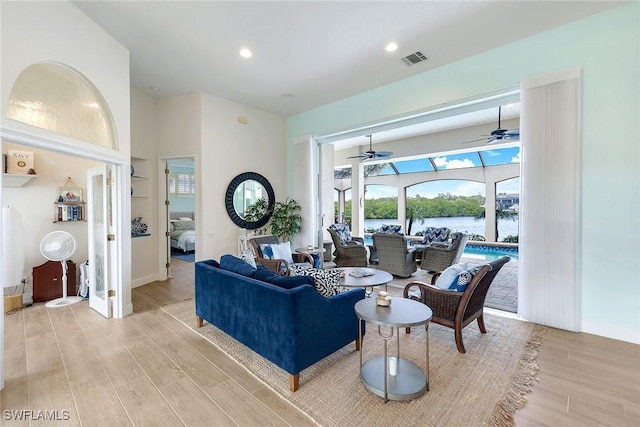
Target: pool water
481 252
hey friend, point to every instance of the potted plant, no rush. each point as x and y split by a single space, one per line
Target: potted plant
286 219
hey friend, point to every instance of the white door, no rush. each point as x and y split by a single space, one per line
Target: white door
100 222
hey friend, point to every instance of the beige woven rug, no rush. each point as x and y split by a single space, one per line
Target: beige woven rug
484 386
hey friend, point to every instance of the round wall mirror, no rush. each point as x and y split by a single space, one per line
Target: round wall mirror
250 200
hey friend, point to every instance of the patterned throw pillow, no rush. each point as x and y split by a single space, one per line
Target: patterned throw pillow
435 234
343 231
326 282
247 256
391 228
464 278
184 225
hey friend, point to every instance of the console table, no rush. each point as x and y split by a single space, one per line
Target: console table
404 380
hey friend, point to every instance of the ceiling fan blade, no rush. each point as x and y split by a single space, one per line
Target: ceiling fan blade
381 154
513 133
477 140
359 156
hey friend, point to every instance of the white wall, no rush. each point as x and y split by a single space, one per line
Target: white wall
228 149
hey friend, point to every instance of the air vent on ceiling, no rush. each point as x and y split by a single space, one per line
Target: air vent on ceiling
414 58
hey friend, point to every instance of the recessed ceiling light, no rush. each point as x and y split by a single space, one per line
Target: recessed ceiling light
391 47
245 53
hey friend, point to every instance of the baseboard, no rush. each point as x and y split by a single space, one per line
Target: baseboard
613 332
144 280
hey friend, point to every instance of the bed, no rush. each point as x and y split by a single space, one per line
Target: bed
182 234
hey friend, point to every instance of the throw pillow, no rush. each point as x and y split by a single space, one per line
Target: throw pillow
184 225
326 282
277 251
295 268
247 256
287 282
449 275
185 218
238 266
464 278
343 231
391 228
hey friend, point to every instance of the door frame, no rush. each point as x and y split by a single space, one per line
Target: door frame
122 305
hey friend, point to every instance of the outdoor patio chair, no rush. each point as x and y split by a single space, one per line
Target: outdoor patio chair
393 255
438 256
350 251
457 309
277 265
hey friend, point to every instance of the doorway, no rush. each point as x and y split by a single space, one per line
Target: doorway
180 208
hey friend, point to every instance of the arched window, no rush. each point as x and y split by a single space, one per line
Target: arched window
54 97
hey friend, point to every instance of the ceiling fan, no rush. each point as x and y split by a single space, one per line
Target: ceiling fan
371 154
499 134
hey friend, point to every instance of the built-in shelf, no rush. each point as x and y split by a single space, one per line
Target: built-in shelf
140 235
16 179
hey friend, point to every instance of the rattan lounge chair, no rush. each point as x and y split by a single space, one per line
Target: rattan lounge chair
350 252
438 256
457 309
393 255
279 266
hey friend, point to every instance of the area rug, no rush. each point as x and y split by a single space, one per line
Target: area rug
484 386
184 256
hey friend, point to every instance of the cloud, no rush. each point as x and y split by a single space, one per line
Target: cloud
379 191
443 163
516 159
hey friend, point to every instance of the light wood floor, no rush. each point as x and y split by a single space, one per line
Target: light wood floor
149 369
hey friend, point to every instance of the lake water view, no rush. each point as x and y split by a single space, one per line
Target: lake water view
467 224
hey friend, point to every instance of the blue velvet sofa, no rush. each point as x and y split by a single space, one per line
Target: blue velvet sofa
293 328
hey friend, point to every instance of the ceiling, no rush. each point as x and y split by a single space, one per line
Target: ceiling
310 53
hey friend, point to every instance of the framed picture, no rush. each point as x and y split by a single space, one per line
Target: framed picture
70 194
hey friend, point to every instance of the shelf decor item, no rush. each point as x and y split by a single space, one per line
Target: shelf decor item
69 192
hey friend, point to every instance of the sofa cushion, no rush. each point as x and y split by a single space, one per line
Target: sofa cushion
247 256
464 278
391 228
287 282
326 282
238 266
446 278
277 251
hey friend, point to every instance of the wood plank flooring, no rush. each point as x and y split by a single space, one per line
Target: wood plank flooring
150 370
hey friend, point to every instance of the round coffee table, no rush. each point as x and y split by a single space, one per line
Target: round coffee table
399 379
375 278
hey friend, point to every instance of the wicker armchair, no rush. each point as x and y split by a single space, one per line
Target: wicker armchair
350 252
279 266
457 309
393 254
438 256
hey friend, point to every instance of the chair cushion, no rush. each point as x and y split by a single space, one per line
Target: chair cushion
287 282
435 234
343 231
247 256
231 263
391 228
464 278
450 274
277 251
326 282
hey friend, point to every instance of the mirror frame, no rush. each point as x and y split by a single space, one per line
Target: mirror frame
231 189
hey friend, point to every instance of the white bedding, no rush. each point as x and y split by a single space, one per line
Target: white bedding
183 239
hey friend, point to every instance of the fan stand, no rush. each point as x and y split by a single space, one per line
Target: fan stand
65 300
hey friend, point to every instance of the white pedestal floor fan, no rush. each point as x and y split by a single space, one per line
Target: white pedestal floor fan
59 246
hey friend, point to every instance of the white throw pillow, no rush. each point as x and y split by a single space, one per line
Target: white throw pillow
449 275
185 218
280 251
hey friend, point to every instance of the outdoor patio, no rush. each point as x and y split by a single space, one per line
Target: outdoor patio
503 293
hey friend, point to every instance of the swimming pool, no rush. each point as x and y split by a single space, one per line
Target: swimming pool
481 250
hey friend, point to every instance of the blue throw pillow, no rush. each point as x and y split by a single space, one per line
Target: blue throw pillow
231 263
287 282
464 278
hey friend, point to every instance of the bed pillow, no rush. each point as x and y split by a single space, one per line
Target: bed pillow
277 251
286 282
446 278
185 218
464 278
326 282
231 263
184 225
